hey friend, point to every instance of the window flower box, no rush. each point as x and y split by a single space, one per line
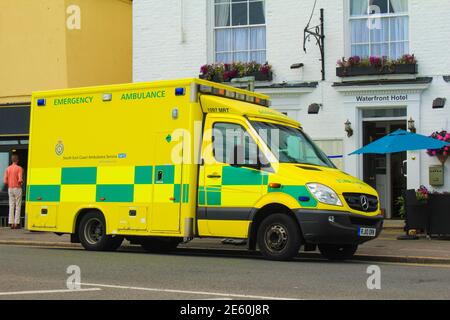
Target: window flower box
357 66
260 76
221 72
372 70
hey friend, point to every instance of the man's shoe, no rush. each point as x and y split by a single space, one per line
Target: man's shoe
11 226
18 227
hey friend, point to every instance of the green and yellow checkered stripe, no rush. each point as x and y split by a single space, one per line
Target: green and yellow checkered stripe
237 187
139 184
242 187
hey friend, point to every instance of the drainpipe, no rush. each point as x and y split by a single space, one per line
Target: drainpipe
182 30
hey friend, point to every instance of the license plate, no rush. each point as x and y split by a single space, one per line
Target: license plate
367 232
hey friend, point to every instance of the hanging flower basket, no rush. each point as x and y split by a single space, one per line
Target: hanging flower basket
441 154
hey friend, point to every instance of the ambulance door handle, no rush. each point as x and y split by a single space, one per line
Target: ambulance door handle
214 176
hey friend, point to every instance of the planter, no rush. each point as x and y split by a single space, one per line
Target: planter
259 76
372 71
216 78
417 212
440 214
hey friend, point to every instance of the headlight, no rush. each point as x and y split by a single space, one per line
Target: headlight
324 194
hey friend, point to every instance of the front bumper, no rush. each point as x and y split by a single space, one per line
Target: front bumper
335 227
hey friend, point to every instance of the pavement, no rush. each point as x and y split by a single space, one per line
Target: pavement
384 249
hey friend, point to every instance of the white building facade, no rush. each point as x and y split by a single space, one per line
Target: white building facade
174 38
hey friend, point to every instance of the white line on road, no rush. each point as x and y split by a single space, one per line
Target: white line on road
47 291
205 293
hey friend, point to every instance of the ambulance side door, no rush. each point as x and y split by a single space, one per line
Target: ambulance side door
167 180
229 190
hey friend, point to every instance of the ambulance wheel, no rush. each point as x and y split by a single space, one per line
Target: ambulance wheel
92 234
336 252
160 245
279 237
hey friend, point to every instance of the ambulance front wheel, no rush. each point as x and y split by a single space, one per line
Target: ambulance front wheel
279 237
92 234
336 252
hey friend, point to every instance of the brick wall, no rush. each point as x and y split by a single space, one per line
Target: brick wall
162 52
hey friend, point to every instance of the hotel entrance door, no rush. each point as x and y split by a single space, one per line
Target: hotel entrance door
385 173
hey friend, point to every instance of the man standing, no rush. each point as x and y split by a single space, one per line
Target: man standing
14 179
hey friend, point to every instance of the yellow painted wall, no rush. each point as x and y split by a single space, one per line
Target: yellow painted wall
101 52
32 48
38 52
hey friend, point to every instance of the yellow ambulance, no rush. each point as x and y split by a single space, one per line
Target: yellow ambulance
165 162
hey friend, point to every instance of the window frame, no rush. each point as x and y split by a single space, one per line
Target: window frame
388 15
212 21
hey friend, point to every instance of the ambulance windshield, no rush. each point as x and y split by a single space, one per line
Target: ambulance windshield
291 145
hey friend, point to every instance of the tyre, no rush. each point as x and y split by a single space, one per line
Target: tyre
336 252
92 233
279 237
160 245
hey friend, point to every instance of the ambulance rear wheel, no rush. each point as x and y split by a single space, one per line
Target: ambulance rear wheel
160 245
279 237
92 234
336 252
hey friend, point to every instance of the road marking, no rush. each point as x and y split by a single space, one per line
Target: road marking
410 264
16 293
404 264
205 293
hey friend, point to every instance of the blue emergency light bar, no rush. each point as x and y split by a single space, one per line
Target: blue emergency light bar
41 102
180 91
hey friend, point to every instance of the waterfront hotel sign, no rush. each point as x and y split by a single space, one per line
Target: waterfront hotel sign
382 98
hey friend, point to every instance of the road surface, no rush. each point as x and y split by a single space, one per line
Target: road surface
41 273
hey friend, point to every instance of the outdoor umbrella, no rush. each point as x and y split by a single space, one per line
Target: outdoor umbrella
400 141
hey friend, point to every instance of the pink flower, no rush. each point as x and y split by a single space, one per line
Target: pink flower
204 69
375 61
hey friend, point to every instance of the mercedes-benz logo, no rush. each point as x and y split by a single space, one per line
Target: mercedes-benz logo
364 203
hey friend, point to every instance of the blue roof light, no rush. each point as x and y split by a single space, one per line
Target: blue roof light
41 102
180 91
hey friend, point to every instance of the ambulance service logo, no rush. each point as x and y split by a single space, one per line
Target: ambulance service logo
59 149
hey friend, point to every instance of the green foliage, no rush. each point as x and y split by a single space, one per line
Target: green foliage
402 203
